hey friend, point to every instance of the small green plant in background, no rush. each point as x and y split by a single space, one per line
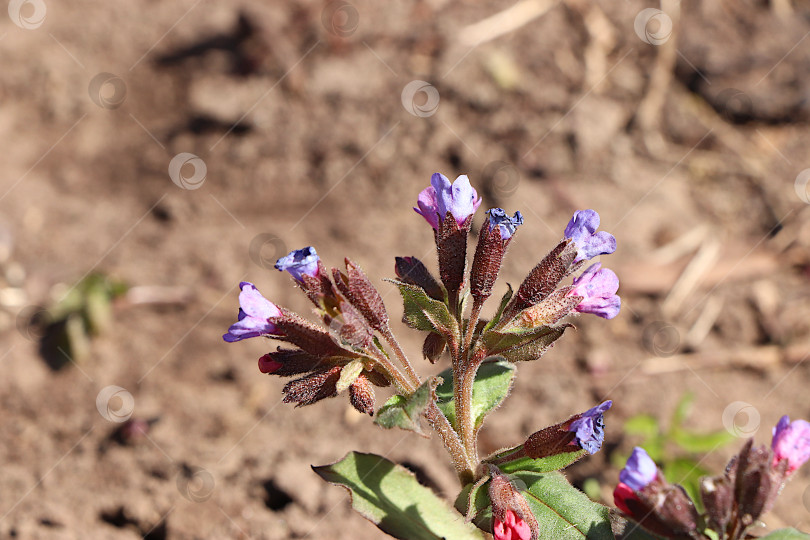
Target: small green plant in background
676 448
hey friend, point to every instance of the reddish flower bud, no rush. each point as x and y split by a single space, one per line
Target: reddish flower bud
544 278
433 347
512 518
358 290
313 387
451 246
361 395
494 237
410 270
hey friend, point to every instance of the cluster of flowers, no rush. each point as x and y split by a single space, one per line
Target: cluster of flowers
732 501
347 353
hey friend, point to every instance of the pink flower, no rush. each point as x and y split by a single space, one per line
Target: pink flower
254 310
597 286
513 528
458 198
791 442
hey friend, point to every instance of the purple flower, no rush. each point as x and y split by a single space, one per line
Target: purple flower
299 263
582 230
507 225
597 286
254 310
589 428
791 441
460 199
639 471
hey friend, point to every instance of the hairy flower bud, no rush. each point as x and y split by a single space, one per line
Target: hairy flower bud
543 279
512 518
357 288
361 395
494 237
410 270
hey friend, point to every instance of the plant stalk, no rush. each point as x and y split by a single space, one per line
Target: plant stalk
465 468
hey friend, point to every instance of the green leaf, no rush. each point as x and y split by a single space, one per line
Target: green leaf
406 412
643 425
389 496
562 511
523 345
701 443
504 300
786 534
492 384
542 465
424 313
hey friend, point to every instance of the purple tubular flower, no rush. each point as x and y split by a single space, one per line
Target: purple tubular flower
589 428
639 471
459 198
582 230
507 225
254 310
598 288
299 263
791 442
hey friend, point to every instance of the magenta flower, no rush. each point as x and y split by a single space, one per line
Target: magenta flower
254 310
512 528
597 286
640 470
507 225
791 442
458 198
299 263
589 428
582 230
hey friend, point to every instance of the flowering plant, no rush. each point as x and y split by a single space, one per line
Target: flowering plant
514 493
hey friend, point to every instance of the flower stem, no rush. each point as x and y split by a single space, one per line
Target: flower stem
465 468
474 314
403 358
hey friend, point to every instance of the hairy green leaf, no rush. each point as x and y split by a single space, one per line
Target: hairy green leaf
492 384
406 412
389 496
542 465
562 511
424 313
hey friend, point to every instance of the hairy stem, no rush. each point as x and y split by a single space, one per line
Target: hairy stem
463 392
465 468
400 381
474 314
403 358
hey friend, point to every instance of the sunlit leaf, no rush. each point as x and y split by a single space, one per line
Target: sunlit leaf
491 386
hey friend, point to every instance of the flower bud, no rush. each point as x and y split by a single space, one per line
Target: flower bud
410 270
357 288
543 279
512 518
495 235
313 387
361 395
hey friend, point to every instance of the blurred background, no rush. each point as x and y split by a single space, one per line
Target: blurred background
157 153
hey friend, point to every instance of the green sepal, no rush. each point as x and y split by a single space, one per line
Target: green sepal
405 412
492 384
349 374
389 496
562 511
523 346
